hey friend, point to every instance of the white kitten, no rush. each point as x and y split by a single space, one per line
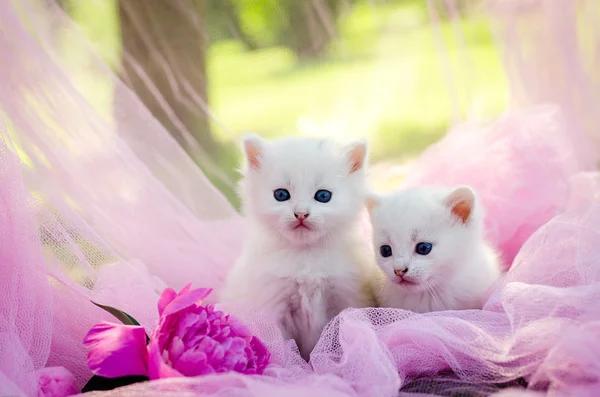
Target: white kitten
304 259
430 244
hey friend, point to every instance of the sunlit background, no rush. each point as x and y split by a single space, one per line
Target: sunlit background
212 70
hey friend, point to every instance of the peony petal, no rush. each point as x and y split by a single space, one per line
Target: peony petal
157 368
167 296
194 362
117 350
206 345
176 349
186 300
237 344
262 356
189 325
238 328
217 355
185 289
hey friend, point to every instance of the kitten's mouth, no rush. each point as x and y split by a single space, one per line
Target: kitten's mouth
301 226
404 281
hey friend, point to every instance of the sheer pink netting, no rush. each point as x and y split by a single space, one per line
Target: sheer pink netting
92 211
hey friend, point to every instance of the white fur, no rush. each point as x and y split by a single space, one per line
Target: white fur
461 265
303 277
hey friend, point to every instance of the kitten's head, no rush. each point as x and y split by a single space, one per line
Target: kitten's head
303 189
421 236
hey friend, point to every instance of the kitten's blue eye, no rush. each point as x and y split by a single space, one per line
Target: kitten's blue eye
323 196
423 248
281 195
385 251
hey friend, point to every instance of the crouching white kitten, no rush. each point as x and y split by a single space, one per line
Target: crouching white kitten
304 259
430 244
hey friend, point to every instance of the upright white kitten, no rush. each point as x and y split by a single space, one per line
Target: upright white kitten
430 244
304 259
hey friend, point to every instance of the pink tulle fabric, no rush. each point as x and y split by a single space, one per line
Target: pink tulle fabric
115 212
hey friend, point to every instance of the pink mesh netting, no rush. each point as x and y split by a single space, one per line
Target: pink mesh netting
92 210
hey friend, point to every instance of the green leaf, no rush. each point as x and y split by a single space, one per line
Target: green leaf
101 383
120 315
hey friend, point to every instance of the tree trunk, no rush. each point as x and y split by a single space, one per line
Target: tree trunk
235 27
164 50
312 25
164 63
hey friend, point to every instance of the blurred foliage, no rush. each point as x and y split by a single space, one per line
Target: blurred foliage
383 78
378 72
226 23
305 27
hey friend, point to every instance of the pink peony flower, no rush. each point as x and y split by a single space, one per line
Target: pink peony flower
56 382
190 340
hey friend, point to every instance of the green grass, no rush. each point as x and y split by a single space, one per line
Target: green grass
382 80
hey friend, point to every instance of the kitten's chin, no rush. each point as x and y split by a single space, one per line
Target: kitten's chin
302 236
405 283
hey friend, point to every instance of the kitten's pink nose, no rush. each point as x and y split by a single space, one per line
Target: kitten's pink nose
301 215
400 272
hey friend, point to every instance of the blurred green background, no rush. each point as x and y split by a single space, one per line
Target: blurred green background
341 68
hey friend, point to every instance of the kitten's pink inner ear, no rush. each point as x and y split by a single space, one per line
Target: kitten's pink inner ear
253 153
461 202
462 210
357 156
371 203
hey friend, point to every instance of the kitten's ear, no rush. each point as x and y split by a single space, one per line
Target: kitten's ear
461 202
357 155
371 202
253 149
